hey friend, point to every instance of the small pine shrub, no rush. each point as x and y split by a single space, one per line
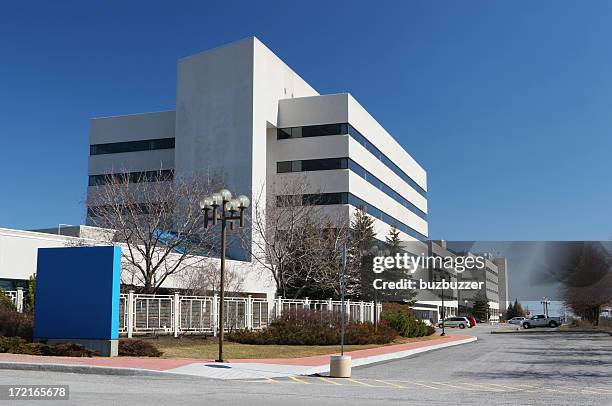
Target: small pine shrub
401 319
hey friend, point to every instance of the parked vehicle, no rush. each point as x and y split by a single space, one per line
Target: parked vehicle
541 320
461 322
472 320
516 320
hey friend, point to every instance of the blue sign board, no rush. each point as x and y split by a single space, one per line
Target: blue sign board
77 293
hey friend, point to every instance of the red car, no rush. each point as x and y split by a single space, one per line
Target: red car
472 321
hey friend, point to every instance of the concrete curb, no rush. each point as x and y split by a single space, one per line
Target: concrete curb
305 370
81 369
394 355
548 331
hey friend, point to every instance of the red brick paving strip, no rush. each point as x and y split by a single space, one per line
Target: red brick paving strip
162 364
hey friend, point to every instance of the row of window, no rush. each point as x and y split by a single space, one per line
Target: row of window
322 199
308 165
343 129
132 177
131 146
346 163
134 209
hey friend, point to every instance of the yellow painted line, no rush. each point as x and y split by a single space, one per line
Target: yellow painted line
607 390
391 384
418 384
298 380
449 385
329 381
588 391
558 391
503 386
361 383
271 380
484 388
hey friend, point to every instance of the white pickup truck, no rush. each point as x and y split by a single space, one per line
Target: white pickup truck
541 320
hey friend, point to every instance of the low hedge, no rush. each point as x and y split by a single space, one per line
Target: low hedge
314 328
17 345
138 348
13 323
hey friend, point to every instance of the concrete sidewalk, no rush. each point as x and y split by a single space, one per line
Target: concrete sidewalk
234 369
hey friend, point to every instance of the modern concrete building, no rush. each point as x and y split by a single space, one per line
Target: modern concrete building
242 112
489 274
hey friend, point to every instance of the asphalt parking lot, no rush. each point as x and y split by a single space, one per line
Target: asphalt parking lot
536 368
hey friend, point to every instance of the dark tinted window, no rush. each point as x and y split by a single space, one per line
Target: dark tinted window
341 129
131 146
312 131
132 177
283 167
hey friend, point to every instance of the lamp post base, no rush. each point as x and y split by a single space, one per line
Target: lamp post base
340 366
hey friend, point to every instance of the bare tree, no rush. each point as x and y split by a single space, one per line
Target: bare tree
289 238
204 278
587 281
158 220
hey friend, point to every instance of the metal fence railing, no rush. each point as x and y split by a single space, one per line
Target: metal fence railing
16 297
177 314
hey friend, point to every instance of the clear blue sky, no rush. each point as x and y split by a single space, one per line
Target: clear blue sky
508 105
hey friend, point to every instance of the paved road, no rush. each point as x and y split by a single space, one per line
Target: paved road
517 369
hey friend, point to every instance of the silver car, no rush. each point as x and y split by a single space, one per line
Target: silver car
461 322
516 320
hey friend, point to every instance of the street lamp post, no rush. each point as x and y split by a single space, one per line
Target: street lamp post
545 302
221 207
465 306
377 251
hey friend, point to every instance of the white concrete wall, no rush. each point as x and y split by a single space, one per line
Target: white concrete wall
377 135
19 255
132 127
342 108
227 98
19 251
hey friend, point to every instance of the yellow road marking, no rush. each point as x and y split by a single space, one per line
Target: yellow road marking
328 380
449 385
298 380
419 384
361 383
484 388
271 380
607 390
503 386
389 383
558 391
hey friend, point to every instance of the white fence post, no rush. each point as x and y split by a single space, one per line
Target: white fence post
176 303
19 300
249 313
330 306
306 304
279 306
372 310
130 313
361 312
215 315
348 309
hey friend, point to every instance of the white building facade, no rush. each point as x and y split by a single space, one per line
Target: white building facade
243 113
